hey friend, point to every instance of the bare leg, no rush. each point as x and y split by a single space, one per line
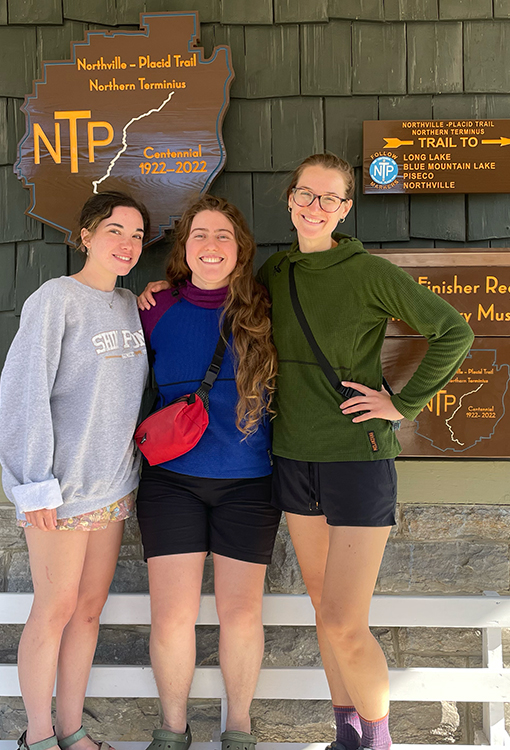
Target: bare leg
56 563
239 587
80 635
310 537
175 584
354 559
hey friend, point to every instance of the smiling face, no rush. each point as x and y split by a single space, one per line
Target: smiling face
314 225
113 248
211 250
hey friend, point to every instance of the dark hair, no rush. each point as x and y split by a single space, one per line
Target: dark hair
328 161
247 306
100 206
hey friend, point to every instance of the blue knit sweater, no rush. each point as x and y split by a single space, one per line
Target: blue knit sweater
182 332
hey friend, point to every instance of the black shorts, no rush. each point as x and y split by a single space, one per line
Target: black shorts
178 513
348 493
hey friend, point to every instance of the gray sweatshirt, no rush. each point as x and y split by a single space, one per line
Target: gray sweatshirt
70 393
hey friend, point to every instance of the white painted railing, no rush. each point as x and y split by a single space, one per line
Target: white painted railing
489 685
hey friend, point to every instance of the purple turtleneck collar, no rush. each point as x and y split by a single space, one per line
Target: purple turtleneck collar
209 298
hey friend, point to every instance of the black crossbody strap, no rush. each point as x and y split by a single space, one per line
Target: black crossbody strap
325 366
318 353
214 367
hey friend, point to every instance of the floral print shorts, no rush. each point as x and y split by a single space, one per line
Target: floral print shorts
96 520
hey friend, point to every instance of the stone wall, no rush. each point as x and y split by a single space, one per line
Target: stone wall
434 549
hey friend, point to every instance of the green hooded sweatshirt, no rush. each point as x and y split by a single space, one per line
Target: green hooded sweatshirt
347 296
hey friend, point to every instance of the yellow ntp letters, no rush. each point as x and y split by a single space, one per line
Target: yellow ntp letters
442 404
92 141
73 116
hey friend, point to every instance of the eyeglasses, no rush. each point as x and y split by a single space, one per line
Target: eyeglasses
328 202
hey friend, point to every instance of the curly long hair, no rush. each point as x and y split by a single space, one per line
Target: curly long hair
247 305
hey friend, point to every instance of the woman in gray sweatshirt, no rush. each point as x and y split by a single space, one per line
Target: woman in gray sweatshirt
69 398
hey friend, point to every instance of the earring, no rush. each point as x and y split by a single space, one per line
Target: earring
289 209
341 221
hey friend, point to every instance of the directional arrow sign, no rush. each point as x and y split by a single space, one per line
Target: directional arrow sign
499 141
433 156
396 142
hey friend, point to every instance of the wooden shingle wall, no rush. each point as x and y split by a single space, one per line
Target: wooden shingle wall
308 72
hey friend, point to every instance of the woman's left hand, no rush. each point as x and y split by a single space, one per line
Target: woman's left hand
373 404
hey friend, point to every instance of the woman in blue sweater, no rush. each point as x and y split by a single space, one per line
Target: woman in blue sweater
216 497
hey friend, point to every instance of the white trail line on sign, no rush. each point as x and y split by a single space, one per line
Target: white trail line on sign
457 409
95 183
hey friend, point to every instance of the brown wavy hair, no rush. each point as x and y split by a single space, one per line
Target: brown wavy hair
328 161
100 206
247 306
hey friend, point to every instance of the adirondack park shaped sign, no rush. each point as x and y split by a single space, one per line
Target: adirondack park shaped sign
138 111
469 417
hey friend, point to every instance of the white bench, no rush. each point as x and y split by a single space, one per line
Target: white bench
489 685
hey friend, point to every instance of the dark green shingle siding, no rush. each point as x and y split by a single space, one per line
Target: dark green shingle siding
272 53
297 130
464 9
487 57
36 262
366 10
93 11
379 58
438 217
271 221
247 11
410 10
14 224
344 124
326 42
300 11
7 276
247 135
434 58
18 60
488 216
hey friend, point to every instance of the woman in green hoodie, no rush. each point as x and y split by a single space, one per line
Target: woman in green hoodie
334 473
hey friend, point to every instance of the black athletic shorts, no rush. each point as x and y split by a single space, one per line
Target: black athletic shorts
348 493
178 513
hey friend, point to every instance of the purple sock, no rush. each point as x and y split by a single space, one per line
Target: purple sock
348 727
375 734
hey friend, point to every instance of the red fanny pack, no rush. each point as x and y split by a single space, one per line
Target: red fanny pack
176 429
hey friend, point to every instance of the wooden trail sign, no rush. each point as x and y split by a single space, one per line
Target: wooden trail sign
436 156
470 416
138 111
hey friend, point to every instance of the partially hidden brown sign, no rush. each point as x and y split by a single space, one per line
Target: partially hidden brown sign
139 111
436 156
470 416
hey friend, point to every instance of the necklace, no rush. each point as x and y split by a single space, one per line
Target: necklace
108 296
